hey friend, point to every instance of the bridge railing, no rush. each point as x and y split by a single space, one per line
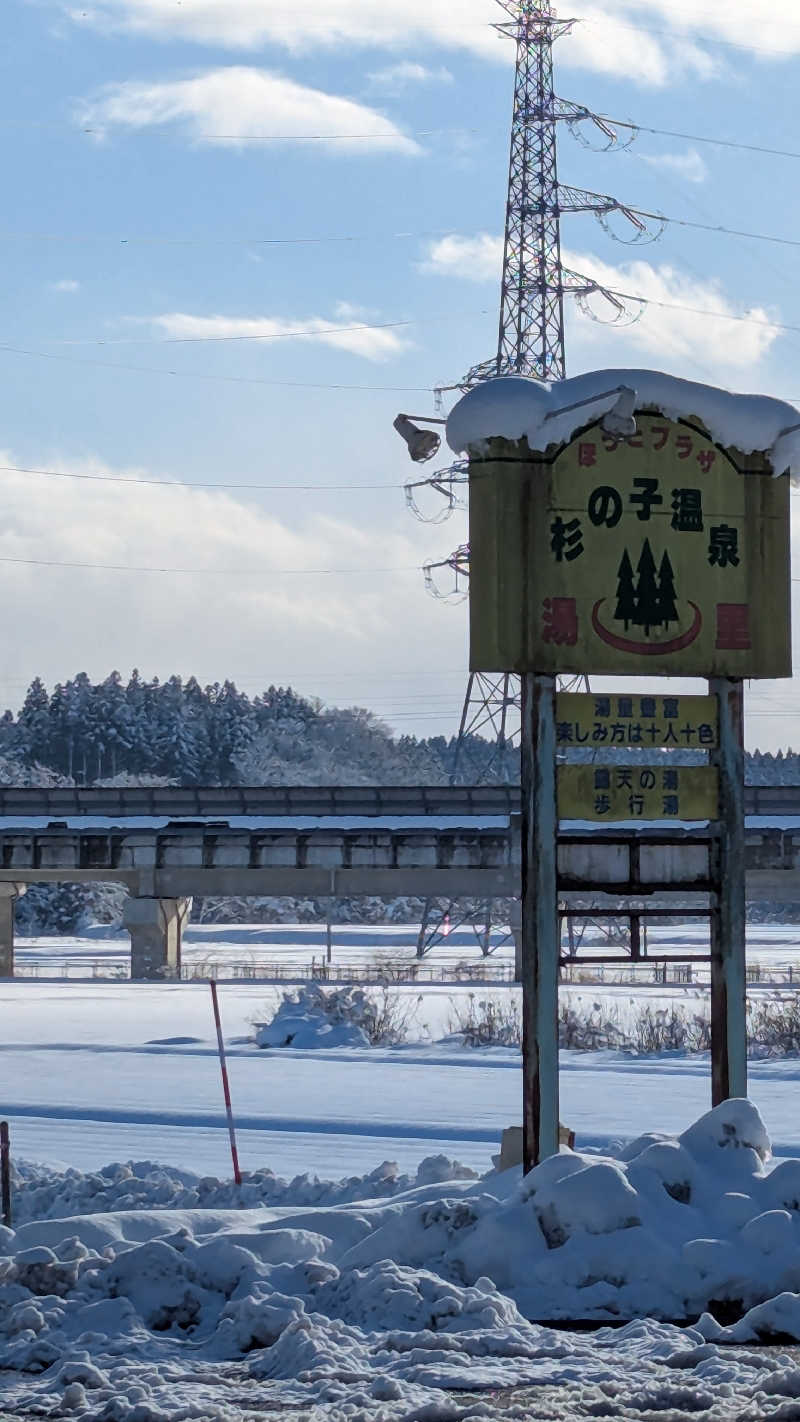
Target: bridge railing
178 802
223 802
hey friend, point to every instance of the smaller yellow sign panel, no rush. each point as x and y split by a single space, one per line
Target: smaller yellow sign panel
589 719
611 793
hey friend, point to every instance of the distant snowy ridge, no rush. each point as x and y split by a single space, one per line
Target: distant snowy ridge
514 408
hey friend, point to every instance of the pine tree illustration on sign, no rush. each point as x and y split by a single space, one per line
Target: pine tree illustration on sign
649 600
648 612
666 592
626 594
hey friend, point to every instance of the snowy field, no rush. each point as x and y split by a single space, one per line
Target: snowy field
240 950
97 1070
365 1276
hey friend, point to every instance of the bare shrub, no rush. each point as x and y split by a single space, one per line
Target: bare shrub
486 1021
773 1026
392 1016
589 1030
497 1022
670 1029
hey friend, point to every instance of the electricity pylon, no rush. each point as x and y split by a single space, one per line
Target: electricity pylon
530 341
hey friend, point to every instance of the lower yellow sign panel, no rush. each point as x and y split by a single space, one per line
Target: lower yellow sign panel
611 793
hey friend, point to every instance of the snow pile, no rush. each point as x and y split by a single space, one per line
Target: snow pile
667 1228
342 1017
41 1194
514 408
382 1309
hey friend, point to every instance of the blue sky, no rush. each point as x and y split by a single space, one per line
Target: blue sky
120 242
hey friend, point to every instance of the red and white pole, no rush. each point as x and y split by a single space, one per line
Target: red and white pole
226 1090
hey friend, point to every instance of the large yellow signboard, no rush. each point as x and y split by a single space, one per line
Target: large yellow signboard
610 793
663 555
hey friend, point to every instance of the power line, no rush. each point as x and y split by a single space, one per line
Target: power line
722 231
207 137
217 379
211 572
187 483
223 241
381 138
271 335
699 311
705 215
367 237
311 137
392 325
263 679
358 237
742 317
701 138
464 315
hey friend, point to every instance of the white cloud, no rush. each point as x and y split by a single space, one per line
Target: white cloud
635 39
774 28
248 24
627 46
396 78
690 327
688 165
478 258
246 619
606 43
351 329
65 285
702 336
236 103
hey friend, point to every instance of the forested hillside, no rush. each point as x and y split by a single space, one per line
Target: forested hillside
178 732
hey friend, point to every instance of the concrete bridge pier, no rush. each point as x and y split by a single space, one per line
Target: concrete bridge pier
9 893
156 929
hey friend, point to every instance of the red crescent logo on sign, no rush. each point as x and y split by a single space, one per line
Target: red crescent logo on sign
647 649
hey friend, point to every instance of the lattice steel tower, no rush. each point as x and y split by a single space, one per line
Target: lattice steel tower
531 333
531 330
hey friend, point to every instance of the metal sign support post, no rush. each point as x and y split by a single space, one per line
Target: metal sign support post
540 937
728 954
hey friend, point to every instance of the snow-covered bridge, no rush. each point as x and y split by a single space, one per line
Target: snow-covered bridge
167 844
221 802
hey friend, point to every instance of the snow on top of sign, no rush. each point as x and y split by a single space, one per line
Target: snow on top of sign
512 407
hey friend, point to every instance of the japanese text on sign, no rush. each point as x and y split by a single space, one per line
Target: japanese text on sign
665 554
613 793
685 722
